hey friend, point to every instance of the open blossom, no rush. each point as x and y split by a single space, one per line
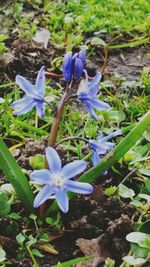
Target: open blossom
57 180
73 65
101 146
87 93
34 95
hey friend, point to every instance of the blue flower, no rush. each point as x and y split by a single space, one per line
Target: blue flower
34 95
57 180
87 93
101 146
73 65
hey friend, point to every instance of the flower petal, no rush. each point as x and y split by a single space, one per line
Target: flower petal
24 84
82 56
90 110
78 187
40 109
95 158
43 195
100 105
62 200
93 90
100 135
98 146
67 66
23 106
53 159
110 136
78 68
74 168
96 79
22 102
41 176
40 81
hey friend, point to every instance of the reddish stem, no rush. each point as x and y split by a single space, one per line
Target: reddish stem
53 136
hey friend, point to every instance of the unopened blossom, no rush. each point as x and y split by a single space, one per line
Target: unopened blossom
73 65
34 95
87 93
57 180
101 146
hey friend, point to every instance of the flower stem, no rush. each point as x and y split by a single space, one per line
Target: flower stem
49 104
105 59
72 138
57 120
54 131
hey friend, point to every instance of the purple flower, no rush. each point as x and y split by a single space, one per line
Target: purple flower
101 146
87 93
73 66
34 95
57 180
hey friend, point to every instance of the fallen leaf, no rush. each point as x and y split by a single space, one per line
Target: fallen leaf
42 37
47 248
95 248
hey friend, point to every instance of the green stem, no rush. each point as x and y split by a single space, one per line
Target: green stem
113 157
130 44
35 264
7 85
72 138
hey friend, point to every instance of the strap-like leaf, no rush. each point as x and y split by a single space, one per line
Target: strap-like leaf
16 177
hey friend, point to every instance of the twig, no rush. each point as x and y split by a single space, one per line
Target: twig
125 178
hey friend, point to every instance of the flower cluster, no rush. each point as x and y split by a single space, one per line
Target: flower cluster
57 180
101 146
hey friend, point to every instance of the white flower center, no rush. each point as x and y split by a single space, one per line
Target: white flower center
57 180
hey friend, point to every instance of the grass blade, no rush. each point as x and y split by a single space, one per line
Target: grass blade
16 177
71 262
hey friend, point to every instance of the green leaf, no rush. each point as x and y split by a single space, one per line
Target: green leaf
4 204
125 192
139 251
110 191
15 216
116 115
147 184
145 227
145 196
37 253
37 162
16 177
145 172
145 243
134 261
97 41
20 238
147 134
2 255
137 237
